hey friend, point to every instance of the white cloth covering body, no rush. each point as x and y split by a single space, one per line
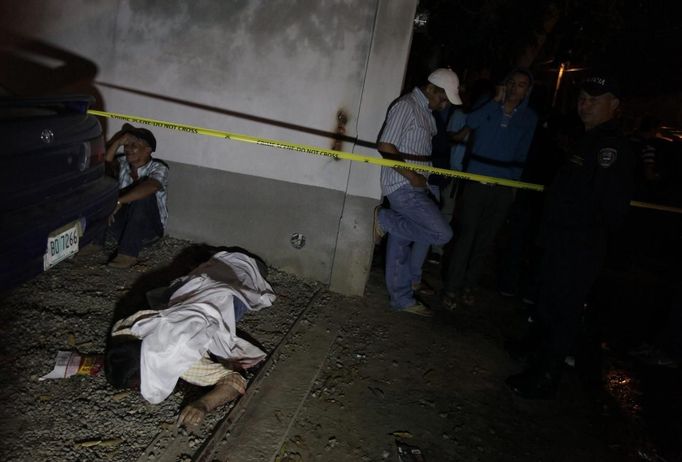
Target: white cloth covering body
200 318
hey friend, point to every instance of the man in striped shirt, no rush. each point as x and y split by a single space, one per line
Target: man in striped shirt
140 214
413 222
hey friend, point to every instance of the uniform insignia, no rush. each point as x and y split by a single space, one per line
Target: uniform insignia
606 157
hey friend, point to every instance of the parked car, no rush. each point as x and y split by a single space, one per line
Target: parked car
54 194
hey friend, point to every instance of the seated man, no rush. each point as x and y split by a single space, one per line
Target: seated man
140 215
194 338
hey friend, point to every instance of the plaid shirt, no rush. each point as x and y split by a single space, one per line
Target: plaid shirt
156 169
207 372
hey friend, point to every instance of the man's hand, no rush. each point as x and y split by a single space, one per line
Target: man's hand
459 136
417 181
121 138
125 138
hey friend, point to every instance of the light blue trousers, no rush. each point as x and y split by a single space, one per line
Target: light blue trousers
413 223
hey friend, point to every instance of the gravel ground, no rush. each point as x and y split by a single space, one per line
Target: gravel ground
71 307
387 377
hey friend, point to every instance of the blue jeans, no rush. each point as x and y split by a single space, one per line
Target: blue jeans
413 223
135 225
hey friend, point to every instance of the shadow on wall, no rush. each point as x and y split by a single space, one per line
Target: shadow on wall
335 136
30 67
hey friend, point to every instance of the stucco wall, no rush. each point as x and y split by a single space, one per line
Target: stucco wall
274 69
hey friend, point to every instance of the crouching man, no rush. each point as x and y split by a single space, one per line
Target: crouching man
194 338
140 215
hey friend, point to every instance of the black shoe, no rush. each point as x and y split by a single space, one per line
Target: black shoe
534 384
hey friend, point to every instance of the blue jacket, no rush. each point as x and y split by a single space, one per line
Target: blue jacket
501 142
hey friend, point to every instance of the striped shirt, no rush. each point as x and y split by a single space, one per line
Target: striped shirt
409 126
156 169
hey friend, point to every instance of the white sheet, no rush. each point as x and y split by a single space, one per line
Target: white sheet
200 318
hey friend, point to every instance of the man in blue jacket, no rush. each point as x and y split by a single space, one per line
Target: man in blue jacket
502 131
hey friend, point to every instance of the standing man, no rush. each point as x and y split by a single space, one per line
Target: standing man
587 202
413 222
502 131
140 215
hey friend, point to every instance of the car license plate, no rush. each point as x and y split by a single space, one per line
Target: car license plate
61 244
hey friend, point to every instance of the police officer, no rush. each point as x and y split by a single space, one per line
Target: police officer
586 204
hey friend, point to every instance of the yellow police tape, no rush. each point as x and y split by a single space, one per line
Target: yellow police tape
307 149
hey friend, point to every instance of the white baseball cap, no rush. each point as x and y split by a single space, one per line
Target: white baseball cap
448 81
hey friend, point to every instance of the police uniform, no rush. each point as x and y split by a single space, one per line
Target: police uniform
586 204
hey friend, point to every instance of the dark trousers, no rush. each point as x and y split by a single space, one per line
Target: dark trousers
482 212
571 264
521 257
136 224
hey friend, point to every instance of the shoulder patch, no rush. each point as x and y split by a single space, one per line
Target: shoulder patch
606 157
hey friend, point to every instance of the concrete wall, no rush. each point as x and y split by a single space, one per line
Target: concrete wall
275 69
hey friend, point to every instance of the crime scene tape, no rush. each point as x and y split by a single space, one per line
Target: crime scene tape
308 149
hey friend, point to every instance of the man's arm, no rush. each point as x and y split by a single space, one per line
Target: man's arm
389 151
144 188
397 119
116 141
472 121
459 136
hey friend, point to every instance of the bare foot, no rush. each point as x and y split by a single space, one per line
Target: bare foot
192 414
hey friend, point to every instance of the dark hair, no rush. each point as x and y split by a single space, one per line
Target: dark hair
122 363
